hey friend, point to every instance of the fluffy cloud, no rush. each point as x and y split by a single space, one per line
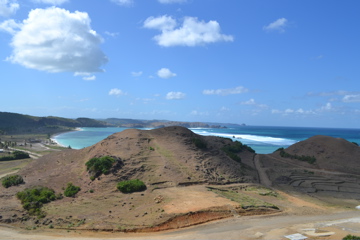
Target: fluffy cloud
124 2
56 40
163 23
175 95
10 26
165 73
52 2
116 92
351 98
225 92
171 1
191 33
8 7
279 25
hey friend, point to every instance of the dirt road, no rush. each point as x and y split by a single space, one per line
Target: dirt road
254 227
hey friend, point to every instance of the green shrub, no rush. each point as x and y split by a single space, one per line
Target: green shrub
351 237
199 143
32 199
71 190
12 181
15 156
309 159
130 186
20 155
98 166
236 147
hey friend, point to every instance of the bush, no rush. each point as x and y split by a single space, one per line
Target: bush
20 155
234 148
98 166
32 199
351 237
199 143
304 158
130 186
71 190
12 181
15 156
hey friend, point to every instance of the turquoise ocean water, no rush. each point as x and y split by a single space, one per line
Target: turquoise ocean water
261 139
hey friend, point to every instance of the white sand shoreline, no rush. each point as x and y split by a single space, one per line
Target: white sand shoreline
53 137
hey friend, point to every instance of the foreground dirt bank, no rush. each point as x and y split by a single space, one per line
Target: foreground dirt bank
252 227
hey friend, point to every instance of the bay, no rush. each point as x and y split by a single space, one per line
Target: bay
263 139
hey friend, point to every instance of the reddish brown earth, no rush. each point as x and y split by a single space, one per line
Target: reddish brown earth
178 175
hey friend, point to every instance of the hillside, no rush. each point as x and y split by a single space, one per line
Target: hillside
166 160
332 175
12 123
134 123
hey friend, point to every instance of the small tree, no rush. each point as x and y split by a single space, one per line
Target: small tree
71 190
130 186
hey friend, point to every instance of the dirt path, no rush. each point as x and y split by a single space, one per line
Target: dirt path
5 174
264 179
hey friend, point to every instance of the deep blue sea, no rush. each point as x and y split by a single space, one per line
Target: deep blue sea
261 139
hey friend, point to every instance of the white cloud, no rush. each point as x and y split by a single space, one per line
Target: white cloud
289 111
90 78
327 107
136 74
126 3
116 92
279 25
249 102
224 92
162 23
8 7
334 93
175 95
52 2
171 1
197 113
56 40
112 34
165 73
191 33
10 26
351 98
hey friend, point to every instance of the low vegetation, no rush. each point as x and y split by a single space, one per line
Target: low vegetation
16 155
199 143
309 159
243 199
351 237
12 181
71 190
130 186
98 166
237 147
32 199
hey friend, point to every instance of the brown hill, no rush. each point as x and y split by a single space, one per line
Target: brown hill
332 174
161 158
334 154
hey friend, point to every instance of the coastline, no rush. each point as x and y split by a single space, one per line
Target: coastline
53 137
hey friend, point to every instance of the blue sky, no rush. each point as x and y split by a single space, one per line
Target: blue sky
259 62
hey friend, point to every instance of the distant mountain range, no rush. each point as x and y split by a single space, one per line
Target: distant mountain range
13 123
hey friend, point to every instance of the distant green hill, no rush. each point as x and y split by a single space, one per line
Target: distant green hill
12 123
